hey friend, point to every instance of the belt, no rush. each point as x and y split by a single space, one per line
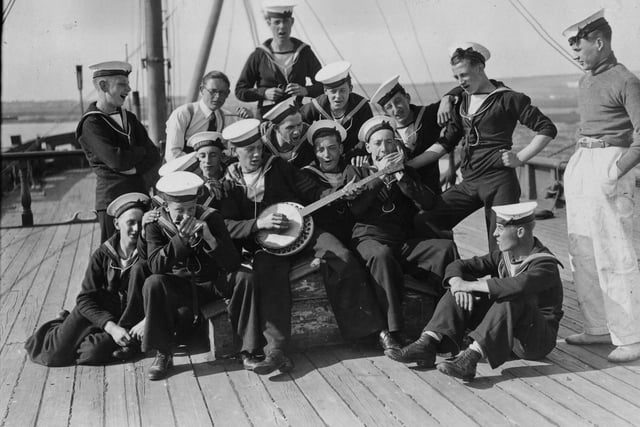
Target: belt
586 142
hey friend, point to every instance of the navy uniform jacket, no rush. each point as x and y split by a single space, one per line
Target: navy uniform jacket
490 129
300 156
358 111
283 183
169 255
385 210
112 150
336 218
537 277
260 72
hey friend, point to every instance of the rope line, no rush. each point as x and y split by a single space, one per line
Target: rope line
395 45
226 55
252 23
326 33
7 10
424 58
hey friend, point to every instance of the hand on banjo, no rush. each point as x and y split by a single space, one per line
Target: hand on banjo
352 189
274 221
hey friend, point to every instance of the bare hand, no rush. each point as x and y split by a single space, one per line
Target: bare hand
510 159
391 159
352 189
359 161
150 217
464 300
274 221
266 128
294 89
273 94
118 333
137 331
445 110
188 228
244 113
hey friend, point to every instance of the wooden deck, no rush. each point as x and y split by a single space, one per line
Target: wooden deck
41 270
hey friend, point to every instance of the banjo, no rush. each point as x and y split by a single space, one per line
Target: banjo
301 226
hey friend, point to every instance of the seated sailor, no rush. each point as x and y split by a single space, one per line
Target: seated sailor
100 322
191 257
382 234
517 310
340 104
283 133
266 181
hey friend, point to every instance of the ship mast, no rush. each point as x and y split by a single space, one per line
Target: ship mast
155 65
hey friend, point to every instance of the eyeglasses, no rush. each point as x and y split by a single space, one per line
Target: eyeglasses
220 93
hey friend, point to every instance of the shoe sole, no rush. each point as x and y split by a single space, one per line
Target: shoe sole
452 373
423 363
266 370
162 375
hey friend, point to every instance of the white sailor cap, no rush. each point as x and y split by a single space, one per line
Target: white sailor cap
330 125
110 68
470 47
243 132
515 214
282 110
278 8
127 201
334 74
206 139
387 90
585 26
187 162
179 186
373 125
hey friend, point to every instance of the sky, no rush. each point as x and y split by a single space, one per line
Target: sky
42 41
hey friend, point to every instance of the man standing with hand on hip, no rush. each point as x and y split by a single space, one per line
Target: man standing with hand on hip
599 191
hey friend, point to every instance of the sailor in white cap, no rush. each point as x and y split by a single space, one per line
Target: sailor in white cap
418 126
116 144
284 133
517 310
382 234
97 331
206 114
265 181
599 187
280 66
188 250
484 121
340 104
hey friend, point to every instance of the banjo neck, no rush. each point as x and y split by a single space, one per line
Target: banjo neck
309 209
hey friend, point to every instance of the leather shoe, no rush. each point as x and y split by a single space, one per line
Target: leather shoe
422 351
160 366
461 366
625 353
126 352
274 360
587 339
249 361
387 341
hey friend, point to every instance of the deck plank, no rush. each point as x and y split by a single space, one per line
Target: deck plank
57 398
26 397
12 360
155 405
88 400
189 407
218 391
120 402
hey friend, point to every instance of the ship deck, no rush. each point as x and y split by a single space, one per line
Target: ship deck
42 268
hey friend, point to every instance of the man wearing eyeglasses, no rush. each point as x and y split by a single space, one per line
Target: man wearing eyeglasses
200 116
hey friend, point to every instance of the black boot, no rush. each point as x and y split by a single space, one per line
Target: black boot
461 366
421 351
276 359
249 360
160 366
127 352
387 341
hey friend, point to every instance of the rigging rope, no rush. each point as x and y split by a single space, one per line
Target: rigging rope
395 45
544 34
424 58
252 23
226 55
7 10
326 33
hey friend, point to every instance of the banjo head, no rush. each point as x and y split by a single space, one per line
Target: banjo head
270 239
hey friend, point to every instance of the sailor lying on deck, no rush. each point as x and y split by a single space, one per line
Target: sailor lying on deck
99 324
517 310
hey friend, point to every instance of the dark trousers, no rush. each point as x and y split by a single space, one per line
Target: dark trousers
165 294
107 227
501 187
499 327
75 340
351 299
387 263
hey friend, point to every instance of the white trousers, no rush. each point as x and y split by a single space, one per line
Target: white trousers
600 209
